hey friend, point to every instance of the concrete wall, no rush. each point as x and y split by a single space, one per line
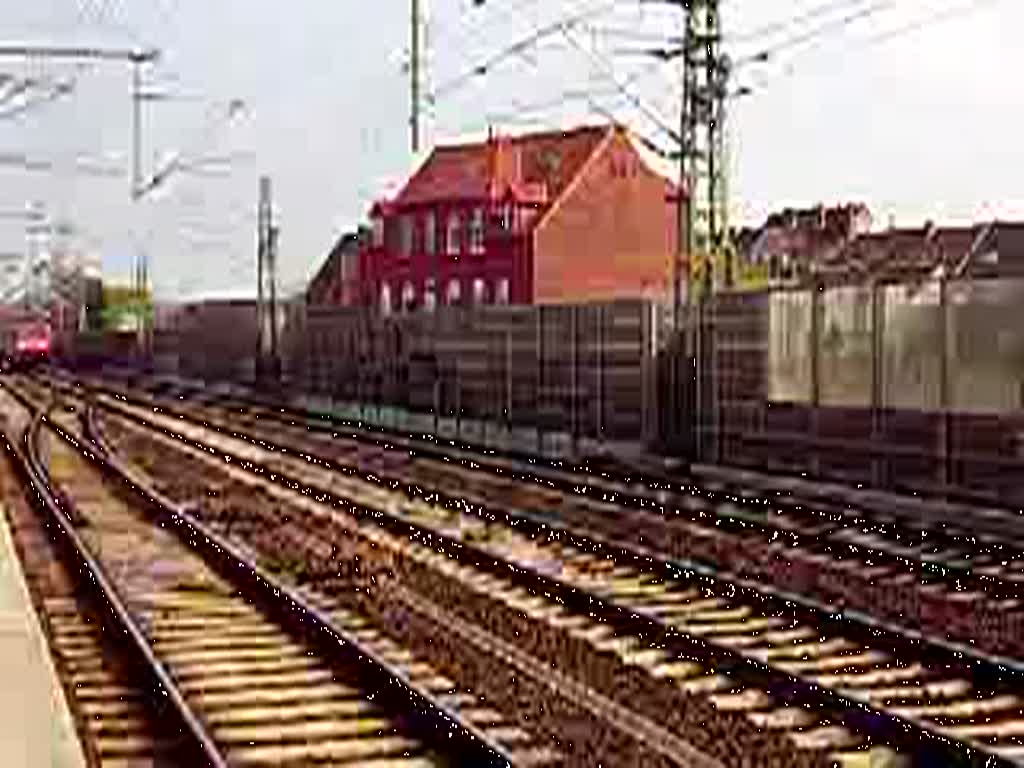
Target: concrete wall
984 358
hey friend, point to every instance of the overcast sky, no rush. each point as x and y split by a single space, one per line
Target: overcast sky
922 124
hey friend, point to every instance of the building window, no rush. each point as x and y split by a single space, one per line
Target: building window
408 296
506 217
405 235
385 299
429 295
476 231
452 239
429 233
378 232
502 294
454 292
479 291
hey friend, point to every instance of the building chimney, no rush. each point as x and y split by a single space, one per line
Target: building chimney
504 159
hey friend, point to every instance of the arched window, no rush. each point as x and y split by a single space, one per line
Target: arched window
408 296
454 291
479 291
502 293
385 299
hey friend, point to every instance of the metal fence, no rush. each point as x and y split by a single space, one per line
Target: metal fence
552 373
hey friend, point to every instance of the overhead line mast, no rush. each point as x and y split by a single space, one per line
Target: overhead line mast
415 54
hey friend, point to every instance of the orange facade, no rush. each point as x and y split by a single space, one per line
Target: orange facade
611 235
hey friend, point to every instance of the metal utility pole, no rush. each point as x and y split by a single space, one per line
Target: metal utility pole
136 129
266 276
272 233
684 225
701 110
262 239
137 59
414 74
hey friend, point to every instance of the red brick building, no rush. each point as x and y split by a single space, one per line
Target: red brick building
793 241
541 218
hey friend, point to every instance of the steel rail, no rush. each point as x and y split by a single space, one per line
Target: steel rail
432 721
29 465
919 738
436 722
985 663
571 481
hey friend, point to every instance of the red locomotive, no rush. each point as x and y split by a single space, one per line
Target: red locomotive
26 344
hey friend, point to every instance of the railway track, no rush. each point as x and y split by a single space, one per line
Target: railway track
118 719
585 737
936 698
619 715
927 577
255 677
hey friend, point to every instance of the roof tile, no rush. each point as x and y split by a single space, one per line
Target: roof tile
537 165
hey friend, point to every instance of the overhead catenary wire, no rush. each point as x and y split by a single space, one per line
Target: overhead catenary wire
941 17
947 14
51 94
515 48
815 32
570 95
785 25
651 114
858 11
475 20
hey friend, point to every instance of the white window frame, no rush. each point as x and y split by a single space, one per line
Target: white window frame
408 295
501 292
476 231
452 234
385 299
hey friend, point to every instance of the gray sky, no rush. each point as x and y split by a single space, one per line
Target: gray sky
919 125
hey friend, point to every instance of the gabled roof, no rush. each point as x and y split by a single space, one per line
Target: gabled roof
322 280
538 168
